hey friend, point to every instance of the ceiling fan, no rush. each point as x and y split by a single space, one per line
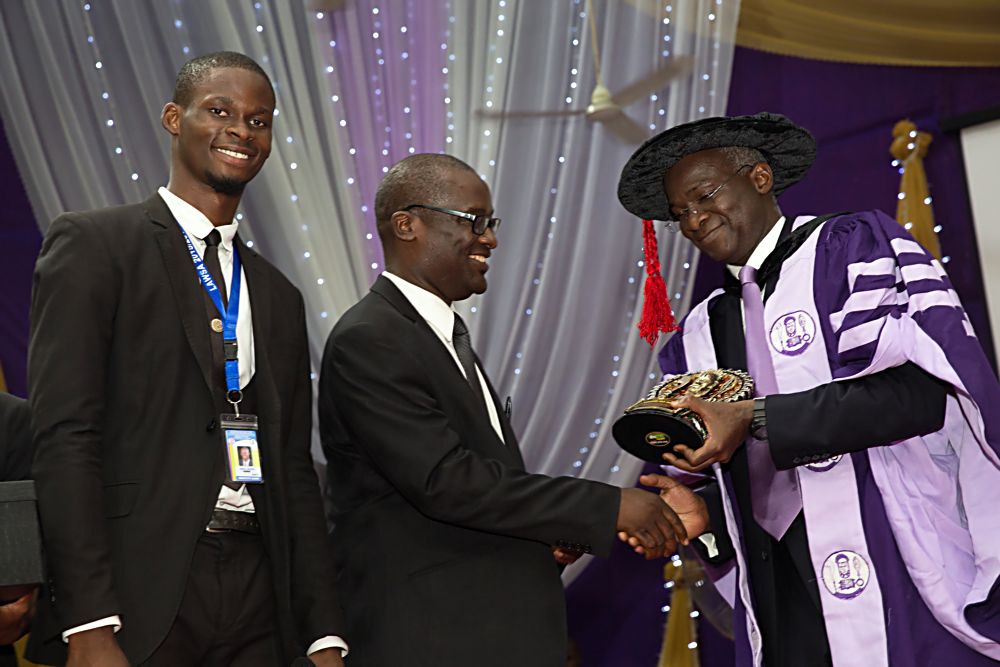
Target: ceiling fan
606 107
327 5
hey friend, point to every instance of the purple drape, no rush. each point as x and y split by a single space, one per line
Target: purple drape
391 90
19 244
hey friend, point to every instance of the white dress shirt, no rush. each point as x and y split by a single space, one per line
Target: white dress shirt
441 319
763 249
197 227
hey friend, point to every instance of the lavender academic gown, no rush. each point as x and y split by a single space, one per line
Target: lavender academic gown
916 521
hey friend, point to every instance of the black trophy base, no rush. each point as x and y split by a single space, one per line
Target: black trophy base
648 434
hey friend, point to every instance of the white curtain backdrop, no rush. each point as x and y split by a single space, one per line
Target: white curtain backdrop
361 84
557 329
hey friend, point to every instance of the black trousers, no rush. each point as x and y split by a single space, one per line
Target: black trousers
227 614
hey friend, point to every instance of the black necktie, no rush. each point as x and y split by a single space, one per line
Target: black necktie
212 263
463 348
211 259
776 500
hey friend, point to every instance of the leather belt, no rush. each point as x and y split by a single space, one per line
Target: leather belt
226 520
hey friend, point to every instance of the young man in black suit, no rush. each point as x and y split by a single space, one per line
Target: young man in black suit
444 542
156 556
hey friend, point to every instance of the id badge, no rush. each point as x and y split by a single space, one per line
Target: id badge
242 450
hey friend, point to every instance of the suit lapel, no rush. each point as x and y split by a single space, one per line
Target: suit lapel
261 307
184 284
509 439
268 408
430 342
441 358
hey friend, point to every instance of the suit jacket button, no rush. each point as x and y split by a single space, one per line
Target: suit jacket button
210 426
797 460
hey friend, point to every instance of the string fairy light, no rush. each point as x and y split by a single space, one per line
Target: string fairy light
121 154
344 124
900 167
682 254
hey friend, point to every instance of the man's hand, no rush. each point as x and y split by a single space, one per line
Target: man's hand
565 556
648 525
328 657
95 648
16 612
689 506
728 425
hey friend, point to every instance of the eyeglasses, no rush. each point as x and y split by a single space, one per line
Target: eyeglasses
480 223
674 224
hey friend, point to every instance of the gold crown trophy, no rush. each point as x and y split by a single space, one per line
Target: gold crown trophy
652 426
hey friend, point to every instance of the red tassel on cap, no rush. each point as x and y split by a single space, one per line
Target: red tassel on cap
656 313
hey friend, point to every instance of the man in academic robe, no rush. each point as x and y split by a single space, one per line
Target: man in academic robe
872 443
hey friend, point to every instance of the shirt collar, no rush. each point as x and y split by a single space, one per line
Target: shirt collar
194 222
430 306
763 249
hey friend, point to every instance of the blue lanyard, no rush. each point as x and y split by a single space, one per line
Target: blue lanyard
229 317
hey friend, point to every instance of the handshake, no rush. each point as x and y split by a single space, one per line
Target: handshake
653 525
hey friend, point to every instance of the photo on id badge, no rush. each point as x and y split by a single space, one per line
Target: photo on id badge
244 456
